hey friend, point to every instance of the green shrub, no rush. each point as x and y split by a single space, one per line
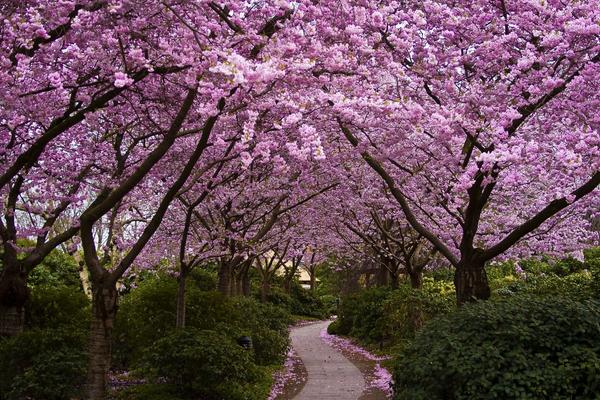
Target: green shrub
277 297
330 304
148 314
305 302
577 286
48 361
45 364
57 269
407 309
267 324
55 306
388 317
522 347
361 314
369 319
203 279
149 391
334 327
203 363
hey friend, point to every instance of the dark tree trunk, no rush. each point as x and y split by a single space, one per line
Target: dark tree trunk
225 279
394 281
368 280
265 290
470 280
13 296
351 285
313 282
239 284
416 279
287 284
246 288
104 310
234 284
181 302
12 320
382 276
415 316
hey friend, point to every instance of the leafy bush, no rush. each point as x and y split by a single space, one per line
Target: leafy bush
203 279
330 304
203 363
300 301
365 314
148 314
305 302
57 269
407 309
145 315
48 361
149 391
55 306
522 347
577 286
45 364
384 316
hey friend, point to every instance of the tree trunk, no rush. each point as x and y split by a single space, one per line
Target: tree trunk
471 283
234 284
13 296
12 320
104 310
287 284
416 279
368 280
394 280
181 291
382 276
351 284
313 282
239 290
225 279
246 288
265 290
415 315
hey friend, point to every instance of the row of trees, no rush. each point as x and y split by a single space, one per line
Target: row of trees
388 133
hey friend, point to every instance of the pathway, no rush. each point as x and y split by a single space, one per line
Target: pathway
330 374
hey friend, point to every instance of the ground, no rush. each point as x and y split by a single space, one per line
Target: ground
331 372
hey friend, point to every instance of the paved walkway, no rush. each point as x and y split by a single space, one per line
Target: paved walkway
330 374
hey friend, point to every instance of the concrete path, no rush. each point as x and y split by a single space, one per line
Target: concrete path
330 374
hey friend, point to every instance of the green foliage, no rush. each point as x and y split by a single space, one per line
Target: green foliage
443 274
148 314
57 269
390 317
203 279
145 315
55 306
47 361
334 327
149 391
330 304
204 363
522 347
577 286
299 301
407 309
362 315
305 302
45 364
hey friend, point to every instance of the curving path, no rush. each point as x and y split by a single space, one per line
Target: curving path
330 374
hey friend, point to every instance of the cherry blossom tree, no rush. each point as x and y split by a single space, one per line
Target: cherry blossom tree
480 117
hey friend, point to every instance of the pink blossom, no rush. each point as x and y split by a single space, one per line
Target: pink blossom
122 80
